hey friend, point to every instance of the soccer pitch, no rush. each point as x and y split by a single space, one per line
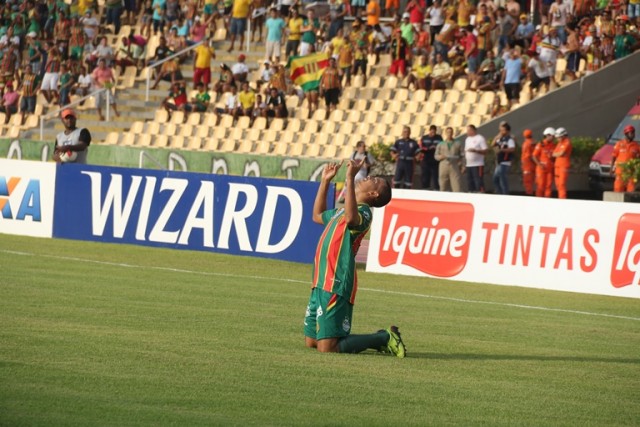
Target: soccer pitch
101 334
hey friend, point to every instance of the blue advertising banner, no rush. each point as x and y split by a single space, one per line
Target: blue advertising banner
236 215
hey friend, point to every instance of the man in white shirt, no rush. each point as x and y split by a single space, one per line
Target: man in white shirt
240 70
475 147
90 25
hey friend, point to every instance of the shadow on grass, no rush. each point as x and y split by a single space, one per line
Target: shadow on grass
518 357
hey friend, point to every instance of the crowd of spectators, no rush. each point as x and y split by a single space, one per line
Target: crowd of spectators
61 49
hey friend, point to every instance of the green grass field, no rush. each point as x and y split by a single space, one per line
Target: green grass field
97 334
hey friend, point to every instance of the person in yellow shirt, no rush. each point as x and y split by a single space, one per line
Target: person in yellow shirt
420 74
247 99
239 15
202 65
360 61
337 42
345 61
295 32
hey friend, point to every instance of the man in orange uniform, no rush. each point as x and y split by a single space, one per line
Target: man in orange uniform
626 149
562 156
542 157
526 162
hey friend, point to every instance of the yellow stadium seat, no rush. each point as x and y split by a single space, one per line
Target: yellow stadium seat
421 119
354 116
277 124
302 113
381 129
227 146
294 125
295 149
220 133
475 119
346 128
319 114
202 132
210 119
245 147
280 148
401 94
211 144
329 151
169 129
313 150
128 139
161 116
286 136
389 118
254 135
469 97
429 107
194 119
177 142
322 138
361 105
378 105
339 139
311 126
337 116
328 127
357 81
186 131
456 121
391 82
243 122
487 98
374 82
137 127
237 134
436 96
419 95
177 117
112 138
370 117
460 84
260 123
226 121
194 143
263 147
404 119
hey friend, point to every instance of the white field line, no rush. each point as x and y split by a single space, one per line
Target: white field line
280 279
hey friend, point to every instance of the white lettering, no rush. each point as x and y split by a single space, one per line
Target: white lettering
624 252
177 187
238 218
204 200
145 208
266 225
112 202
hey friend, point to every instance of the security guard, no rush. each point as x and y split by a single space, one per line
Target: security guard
404 152
562 163
526 162
542 157
626 149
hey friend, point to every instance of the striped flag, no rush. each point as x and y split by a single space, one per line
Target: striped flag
307 70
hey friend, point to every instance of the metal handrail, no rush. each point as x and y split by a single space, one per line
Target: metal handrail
55 113
162 61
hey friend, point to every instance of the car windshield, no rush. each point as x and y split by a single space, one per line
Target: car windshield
631 119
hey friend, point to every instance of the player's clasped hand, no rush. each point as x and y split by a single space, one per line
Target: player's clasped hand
353 167
330 170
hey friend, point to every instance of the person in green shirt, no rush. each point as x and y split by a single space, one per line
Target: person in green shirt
310 27
66 82
328 318
624 43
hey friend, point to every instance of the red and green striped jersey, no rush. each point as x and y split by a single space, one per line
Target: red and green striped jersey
334 268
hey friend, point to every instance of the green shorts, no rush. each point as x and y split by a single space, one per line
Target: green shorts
328 315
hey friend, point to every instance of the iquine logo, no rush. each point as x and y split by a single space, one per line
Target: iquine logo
432 237
625 268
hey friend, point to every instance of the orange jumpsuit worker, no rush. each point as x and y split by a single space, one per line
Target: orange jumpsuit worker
562 156
542 157
526 162
626 149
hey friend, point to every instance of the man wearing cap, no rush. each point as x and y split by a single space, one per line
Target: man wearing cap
240 70
72 138
524 32
542 157
526 162
625 149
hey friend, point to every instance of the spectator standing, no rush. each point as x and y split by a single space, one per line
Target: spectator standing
404 152
103 78
10 63
542 157
625 149
330 85
159 10
485 44
294 28
90 25
66 83
562 161
624 43
450 155
239 15
72 139
471 53
539 73
9 102
345 61
337 12
526 162
202 65
310 27
399 53
475 148
436 18
275 26
114 11
29 88
572 52
559 17
49 85
360 61
428 162
373 13
511 76
524 32
505 147
506 29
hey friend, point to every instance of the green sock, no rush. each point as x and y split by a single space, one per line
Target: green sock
359 343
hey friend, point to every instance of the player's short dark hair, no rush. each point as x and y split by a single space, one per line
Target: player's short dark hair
384 197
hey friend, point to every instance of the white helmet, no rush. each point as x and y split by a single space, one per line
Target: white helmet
560 132
549 131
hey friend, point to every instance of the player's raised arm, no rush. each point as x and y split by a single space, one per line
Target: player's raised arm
351 215
320 204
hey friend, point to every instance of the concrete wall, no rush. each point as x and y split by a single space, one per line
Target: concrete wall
591 106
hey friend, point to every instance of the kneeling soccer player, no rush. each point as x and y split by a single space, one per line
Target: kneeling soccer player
327 323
